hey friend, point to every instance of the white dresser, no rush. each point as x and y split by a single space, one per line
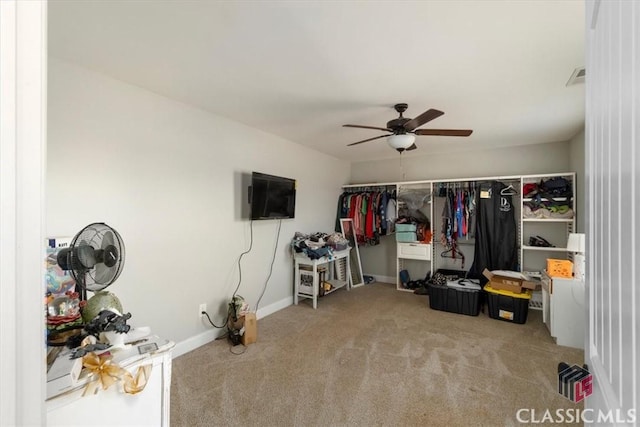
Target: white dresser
564 310
113 407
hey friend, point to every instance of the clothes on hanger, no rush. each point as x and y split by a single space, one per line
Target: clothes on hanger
372 211
496 233
458 212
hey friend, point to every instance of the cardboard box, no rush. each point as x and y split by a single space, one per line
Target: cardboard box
511 281
250 329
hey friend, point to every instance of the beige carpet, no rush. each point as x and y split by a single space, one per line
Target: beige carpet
372 356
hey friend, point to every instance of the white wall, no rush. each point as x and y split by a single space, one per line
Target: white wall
171 179
522 160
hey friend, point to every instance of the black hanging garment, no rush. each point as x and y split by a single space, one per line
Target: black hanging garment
495 247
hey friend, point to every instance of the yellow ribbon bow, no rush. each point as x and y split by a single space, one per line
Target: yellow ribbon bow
136 385
108 373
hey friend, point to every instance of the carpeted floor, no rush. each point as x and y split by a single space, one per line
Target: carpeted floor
373 356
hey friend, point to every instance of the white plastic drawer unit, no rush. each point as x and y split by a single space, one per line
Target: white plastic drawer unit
421 251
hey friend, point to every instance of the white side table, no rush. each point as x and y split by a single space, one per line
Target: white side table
336 279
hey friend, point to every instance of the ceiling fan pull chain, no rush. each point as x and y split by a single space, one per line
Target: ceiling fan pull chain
403 178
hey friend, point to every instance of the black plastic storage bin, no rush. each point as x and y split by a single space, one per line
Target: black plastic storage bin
454 299
460 274
508 306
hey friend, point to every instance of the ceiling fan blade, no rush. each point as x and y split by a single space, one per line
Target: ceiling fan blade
444 132
367 127
413 147
366 140
423 118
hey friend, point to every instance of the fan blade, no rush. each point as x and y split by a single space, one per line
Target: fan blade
366 140
367 127
423 118
444 132
413 147
102 276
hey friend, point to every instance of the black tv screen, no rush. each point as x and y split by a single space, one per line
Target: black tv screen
272 197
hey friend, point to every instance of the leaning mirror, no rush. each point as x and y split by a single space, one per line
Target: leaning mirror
346 226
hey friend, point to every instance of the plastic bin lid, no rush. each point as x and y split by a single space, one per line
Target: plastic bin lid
464 284
526 294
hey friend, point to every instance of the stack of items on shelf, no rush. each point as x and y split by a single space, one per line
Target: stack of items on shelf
412 225
508 295
410 230
318 245
548 199
306 280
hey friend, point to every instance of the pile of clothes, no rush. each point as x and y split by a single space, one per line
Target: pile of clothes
548 199
318 245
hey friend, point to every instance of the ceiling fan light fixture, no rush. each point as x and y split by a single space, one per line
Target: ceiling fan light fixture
401 141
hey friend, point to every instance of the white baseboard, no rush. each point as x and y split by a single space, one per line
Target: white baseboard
196 341
206 337
276 306
383 279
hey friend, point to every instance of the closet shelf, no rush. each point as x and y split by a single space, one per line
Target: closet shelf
565 220
545 249
544 199
459 242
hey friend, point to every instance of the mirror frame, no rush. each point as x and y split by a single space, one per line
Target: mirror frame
346 227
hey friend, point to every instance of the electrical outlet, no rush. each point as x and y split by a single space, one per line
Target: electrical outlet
201 308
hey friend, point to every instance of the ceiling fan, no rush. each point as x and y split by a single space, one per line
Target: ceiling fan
403 129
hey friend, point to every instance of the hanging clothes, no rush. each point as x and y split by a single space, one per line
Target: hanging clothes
370 211
496 231
391 215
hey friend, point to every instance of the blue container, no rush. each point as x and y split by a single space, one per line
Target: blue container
406 236
405 227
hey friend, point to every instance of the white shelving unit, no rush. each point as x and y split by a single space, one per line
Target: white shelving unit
338 274
555 230
530 258
415 257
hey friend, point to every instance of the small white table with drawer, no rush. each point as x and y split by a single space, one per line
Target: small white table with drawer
412 251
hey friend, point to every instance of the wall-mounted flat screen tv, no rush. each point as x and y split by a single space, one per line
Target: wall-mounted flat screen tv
272 197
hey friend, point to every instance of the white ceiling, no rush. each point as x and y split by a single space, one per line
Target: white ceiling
302 69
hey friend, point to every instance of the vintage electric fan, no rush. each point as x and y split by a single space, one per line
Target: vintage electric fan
95 259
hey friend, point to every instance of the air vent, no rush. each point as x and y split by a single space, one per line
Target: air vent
577 76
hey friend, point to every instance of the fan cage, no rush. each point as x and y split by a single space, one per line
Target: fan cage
94 236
